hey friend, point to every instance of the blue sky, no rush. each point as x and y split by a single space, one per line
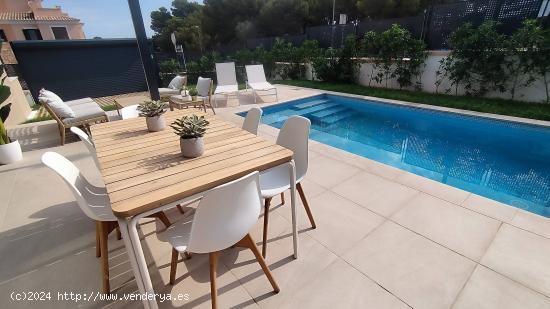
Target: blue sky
108 18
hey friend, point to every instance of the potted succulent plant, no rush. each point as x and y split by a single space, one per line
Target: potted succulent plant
191 129
10 151
193 93
153 112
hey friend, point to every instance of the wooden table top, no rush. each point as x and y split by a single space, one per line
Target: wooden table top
133 100
144 170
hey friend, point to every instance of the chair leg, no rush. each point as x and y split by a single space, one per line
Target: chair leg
104 228
306 205
248 242
266 221
162 217
213 256
173 266
282 198
118 234
62 135
97 239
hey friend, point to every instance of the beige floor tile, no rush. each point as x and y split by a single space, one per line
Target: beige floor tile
77 272
291 274
382 170
421 273
329 172
491 208
464 231
532 222
487 289
193 279
380 195
521 256
433 187
311 190
7 183
341 223
342 286
340 155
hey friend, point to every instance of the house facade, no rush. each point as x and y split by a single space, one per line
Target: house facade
28 20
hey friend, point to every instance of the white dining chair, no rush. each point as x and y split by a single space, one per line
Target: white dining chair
223 218
93 201
252 120
294 135
95 204
85 138
129 112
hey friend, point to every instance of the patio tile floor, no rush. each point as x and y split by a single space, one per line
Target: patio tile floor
385 239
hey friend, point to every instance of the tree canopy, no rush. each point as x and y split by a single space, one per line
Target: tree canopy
215 22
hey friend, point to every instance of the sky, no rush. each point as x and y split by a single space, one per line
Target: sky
108 18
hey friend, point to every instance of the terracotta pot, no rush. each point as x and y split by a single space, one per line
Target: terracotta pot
10 153
194 97
155 124
192 147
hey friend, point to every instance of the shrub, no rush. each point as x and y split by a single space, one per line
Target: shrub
394 54
338 65
531 46
477 60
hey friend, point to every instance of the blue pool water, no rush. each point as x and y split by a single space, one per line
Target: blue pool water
504 161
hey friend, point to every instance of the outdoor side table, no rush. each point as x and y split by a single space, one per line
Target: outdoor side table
179 101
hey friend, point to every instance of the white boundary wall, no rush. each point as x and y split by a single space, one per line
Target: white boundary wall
534 93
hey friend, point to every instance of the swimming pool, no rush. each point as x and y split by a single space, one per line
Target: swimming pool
505 161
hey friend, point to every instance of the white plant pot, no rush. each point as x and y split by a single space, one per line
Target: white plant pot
155 124
192 147
10 153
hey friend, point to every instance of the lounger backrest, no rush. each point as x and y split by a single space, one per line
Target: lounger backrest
255 73
225 72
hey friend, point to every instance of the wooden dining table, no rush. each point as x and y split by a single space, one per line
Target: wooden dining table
144 172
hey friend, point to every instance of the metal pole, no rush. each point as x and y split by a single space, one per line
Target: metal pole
144 51
332 24
333 10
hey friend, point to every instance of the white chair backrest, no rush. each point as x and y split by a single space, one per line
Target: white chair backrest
226 214
203 86
252 120
129 112
294 135
82 190
225 72
177 82
85 138
255 73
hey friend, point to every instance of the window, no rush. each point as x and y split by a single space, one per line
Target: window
3 36
60 33
32 34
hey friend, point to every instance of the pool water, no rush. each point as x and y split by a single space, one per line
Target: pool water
505 161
